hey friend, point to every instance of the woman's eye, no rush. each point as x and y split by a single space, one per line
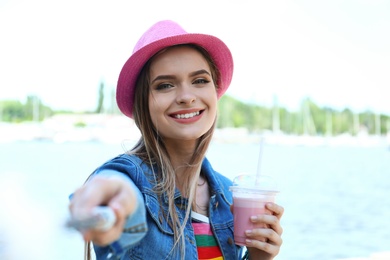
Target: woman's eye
163 86
201 81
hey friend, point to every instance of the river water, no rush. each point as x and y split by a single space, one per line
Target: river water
336 199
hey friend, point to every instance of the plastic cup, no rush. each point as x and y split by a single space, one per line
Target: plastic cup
250 194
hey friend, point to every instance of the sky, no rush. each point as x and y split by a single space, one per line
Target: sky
335 52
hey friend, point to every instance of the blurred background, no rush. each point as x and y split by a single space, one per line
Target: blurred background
310 84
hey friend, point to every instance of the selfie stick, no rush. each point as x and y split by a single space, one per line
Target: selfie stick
102 218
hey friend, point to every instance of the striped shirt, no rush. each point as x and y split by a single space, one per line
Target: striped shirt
206 243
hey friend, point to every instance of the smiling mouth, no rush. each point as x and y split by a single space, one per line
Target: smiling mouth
187 115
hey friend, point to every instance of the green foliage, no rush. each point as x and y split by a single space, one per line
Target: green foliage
15 111
99 108
80 124
311 119
234 113
12 111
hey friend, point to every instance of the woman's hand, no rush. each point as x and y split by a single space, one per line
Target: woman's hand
264 243
113 191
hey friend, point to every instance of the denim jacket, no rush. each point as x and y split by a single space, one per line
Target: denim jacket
147 235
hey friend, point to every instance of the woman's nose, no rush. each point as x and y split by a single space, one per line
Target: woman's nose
185 95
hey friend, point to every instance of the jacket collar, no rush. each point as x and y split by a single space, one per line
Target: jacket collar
209 173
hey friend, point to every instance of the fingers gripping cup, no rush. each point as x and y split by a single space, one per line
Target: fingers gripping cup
250 194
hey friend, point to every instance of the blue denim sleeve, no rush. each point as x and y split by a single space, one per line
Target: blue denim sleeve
134 230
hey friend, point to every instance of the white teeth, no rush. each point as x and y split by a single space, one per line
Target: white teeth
189 115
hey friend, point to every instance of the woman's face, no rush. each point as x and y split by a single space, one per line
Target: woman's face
183 97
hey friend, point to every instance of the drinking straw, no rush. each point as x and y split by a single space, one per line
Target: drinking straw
258 173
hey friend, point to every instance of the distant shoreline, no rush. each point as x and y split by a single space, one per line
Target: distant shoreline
116 129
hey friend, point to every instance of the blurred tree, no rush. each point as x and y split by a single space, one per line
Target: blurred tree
308 124
367 121
384 124
318 117
13 111
99 108
225 110
35 110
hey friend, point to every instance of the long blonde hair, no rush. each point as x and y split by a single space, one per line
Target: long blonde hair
151 149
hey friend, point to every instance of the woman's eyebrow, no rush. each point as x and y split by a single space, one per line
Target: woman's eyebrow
163 77
167 77
198 72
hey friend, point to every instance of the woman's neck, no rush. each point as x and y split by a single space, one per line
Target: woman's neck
202 197
187 171
180 153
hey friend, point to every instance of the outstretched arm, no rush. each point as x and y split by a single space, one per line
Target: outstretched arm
116 191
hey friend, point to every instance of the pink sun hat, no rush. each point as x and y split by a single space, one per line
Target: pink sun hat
161 35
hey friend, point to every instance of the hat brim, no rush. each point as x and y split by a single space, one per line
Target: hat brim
217 49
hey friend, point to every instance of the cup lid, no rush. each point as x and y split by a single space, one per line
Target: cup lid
253 182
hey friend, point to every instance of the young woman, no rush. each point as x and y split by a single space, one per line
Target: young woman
168 201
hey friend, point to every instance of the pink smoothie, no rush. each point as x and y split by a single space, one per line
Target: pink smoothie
243 209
